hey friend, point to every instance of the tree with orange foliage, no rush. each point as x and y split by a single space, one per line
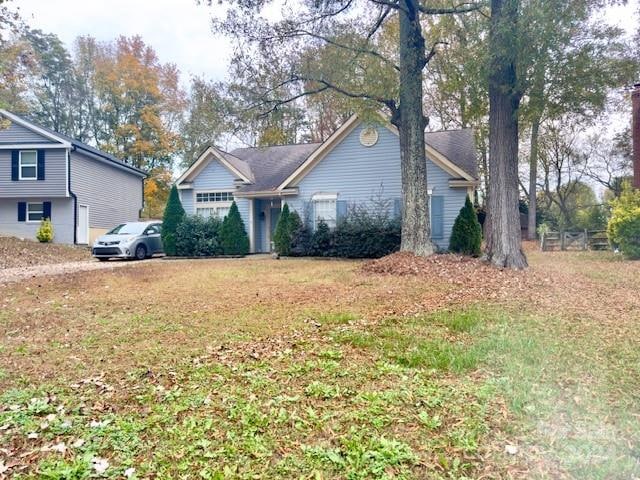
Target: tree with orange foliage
140 102
156 192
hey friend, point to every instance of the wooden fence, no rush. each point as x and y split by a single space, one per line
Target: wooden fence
585 240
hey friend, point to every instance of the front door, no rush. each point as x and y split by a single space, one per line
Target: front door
83 225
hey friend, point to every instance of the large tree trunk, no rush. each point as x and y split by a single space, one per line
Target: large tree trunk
416 228
503 247
533 180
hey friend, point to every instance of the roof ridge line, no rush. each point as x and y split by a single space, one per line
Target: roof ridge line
450 130
279 145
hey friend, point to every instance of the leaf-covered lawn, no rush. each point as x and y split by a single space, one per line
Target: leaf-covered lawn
315 369
16 252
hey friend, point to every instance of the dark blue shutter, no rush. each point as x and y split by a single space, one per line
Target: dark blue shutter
46 210
437 216
397 207
40 164
15 155
22 211
341 209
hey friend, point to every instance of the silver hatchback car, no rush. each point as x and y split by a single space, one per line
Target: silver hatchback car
137 240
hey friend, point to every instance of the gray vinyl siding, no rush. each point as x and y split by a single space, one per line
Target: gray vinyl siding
19 134
214 176
61 217
359 174
54 184
112 193
186 198
243 208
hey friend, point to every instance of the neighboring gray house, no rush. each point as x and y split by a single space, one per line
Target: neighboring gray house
44 174
356 165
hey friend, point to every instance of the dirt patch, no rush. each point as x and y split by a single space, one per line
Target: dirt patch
16 252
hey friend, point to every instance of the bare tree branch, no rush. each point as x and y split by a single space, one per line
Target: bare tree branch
325 85
389 3
350 48
432 52
275 104
461 8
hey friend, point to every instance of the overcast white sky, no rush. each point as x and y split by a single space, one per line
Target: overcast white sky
179 30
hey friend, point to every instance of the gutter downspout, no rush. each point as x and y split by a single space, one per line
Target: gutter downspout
73 195
140 212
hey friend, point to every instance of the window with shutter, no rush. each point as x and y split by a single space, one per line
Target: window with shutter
28 165
35 212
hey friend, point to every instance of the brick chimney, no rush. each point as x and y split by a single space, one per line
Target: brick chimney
635 132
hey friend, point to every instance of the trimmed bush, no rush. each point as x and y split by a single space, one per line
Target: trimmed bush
282 235
362 234
322 241
300 238
45 231
295 223
233 236
623 229
173 215
198 237
466 235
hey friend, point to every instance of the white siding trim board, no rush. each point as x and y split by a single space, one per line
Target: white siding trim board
30 146
267 193
203 160
252 240
322 151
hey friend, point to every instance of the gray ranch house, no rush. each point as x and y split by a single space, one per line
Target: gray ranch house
357 165
44 174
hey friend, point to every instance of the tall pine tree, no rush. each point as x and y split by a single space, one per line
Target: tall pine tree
282 234
233 236
466 235
173 216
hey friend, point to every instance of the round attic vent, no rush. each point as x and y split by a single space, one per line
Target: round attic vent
369 136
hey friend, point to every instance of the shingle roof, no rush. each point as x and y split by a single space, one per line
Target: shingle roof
458 146
272 165
83 146
239 164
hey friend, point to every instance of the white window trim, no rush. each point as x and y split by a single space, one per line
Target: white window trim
196 202
20 177
214 206
325 197
27 212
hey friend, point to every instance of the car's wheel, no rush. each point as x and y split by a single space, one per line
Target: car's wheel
141 252
102 259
